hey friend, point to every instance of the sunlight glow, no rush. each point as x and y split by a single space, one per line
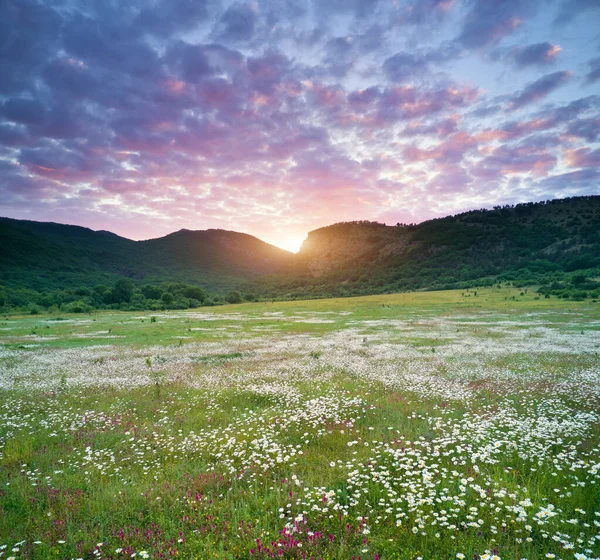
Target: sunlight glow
292 244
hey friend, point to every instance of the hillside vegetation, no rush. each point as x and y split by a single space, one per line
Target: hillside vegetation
536 243
553 244
53 264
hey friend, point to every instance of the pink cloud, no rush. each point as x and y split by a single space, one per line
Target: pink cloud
453 149
582 157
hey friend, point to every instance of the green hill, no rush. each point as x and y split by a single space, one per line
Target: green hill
49 256
532 243
553 244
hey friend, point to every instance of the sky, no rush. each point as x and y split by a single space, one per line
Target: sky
276 117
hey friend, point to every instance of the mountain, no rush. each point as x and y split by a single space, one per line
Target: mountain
527 243
543 243
48 256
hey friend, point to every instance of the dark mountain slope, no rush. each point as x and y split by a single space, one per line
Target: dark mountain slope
48 256
541 243
216 259
528 242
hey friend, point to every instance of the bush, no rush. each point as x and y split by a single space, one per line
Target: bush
194 293
78 306
233 297
123 290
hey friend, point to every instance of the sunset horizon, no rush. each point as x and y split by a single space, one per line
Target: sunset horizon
292 245
275 118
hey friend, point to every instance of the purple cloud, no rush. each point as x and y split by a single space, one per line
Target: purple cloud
588 129
582 181
582 157
570 9
540 88
190 62
23 111
237 23
594 73
420 12
488 22
404 65
538 54
165 17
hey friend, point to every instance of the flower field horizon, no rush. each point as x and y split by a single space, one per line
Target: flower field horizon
431 425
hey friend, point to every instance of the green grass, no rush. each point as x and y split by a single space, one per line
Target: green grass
209 443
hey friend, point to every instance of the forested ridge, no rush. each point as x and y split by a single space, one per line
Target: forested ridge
553 245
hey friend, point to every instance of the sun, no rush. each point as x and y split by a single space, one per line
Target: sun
291 244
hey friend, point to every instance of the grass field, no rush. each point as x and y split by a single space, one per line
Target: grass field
433 425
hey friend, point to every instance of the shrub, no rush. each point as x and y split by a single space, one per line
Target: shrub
233 297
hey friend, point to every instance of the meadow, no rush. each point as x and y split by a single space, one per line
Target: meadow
430 425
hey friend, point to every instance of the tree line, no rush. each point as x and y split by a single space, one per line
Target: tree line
123 295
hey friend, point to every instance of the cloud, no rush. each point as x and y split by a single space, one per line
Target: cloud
588 129
539 89
236 24
538 54
190 62
575 108
594 73
420 12
583 181
450 151
268 71
402 66
570 9
339 56
13 136
109 45
409 102
29 31
509 160
582 157
450 179
360 8
23 111
166 17
488 22
56 162
405 65
441 128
